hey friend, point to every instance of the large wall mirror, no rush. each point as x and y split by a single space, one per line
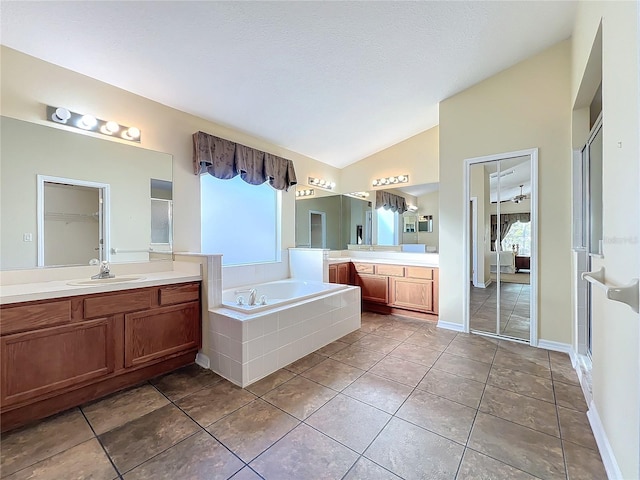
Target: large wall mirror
502 245
72 199
325 220
333 221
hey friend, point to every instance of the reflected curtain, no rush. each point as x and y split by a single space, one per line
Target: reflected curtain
506 221
225 159
390 201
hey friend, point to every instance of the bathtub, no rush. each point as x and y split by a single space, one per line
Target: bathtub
248 343
277 294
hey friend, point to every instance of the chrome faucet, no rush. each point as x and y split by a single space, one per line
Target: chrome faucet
252 295
105 271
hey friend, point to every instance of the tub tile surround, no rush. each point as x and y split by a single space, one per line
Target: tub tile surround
311 421
246 348
233 276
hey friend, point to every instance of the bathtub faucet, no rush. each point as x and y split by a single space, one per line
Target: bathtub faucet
252 295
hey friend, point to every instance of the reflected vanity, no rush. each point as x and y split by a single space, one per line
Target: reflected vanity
349 221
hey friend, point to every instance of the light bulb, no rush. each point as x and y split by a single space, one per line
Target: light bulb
402 178
61 115
375 183
112 126
87 122
133 132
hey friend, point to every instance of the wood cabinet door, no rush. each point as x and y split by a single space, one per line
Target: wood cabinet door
48 360
373 288
412 293
159 332
333 274
343 273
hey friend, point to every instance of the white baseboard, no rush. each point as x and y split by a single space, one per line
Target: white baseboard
203 360
606 452
559 347
457 327
482 285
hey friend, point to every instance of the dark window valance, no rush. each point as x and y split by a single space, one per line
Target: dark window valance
390 201
225 159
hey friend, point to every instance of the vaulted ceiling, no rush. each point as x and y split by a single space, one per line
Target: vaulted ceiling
336 81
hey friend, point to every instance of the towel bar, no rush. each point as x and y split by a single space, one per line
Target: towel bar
115 251
627 294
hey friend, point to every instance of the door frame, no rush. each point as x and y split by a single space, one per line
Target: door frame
474 244
532 153
40 211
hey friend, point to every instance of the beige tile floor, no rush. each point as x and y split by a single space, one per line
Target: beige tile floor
399 398
514 309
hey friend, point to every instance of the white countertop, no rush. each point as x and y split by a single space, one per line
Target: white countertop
25 292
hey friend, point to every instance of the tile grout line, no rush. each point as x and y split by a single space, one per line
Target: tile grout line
104 449
202 428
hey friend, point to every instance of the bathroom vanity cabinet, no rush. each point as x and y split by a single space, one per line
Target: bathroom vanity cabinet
339 273
63 352
402 289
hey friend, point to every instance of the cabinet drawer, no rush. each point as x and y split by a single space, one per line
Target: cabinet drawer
106 305
179 294
419 272
363 267
390 270
30 317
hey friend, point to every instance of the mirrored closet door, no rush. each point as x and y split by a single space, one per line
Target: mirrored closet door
501 245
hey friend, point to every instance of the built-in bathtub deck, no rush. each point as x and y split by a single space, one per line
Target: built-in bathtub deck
245 348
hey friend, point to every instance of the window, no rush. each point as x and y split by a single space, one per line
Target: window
240 221
387 227
519 234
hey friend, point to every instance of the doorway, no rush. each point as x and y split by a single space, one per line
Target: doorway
501 246
72 212
317 229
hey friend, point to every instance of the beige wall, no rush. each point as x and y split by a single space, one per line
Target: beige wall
510 207
525 106
616 374
417 156
29 84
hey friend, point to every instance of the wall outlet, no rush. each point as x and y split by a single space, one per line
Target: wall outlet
27 237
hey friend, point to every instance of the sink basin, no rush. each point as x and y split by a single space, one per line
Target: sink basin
102 281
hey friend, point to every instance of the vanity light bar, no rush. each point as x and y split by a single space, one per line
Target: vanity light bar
359 194
90 123
320 182
390 180
305 193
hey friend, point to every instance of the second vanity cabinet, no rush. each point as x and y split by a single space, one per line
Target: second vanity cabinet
339 273
386 288
59 353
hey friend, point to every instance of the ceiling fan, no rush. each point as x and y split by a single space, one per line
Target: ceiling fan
521 197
